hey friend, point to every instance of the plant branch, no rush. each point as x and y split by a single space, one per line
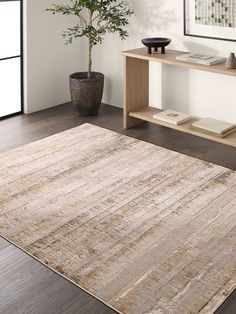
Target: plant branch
96 19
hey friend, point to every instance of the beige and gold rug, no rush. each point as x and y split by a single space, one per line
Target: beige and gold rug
142 228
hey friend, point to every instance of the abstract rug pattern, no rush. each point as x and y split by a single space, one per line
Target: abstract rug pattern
145 229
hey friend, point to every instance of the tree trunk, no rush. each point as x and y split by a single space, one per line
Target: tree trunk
90 47
90 60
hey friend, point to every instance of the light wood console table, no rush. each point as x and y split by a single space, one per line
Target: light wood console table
136 90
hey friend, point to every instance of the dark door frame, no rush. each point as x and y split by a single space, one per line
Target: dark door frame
21 61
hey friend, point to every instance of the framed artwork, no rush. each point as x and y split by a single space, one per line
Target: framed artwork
215 19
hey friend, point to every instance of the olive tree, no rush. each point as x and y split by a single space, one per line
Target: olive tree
96 18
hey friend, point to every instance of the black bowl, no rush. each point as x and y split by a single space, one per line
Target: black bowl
157 42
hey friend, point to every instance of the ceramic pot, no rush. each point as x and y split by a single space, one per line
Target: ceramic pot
157 42
231 61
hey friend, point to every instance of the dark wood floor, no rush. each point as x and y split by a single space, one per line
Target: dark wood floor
26 286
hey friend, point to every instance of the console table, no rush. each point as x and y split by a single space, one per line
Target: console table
136 90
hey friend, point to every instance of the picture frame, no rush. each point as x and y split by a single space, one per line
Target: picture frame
213 19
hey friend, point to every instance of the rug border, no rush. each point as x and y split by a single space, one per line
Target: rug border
128 136
157 145
65 277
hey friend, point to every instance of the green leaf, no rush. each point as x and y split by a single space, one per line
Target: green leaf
95 19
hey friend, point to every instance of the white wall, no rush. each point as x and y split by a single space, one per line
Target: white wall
199 93
47 61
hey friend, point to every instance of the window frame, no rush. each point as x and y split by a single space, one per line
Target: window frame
20 56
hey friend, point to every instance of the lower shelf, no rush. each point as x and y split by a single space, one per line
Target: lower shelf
147 113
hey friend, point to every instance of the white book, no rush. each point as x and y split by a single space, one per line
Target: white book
200 58
213 125
172 117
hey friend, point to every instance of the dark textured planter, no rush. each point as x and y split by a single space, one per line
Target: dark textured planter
86 94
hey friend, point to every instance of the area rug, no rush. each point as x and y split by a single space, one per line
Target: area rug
142 228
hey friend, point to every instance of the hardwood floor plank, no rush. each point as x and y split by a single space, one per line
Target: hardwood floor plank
3 244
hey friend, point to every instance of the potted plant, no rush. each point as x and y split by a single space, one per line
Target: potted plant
95 19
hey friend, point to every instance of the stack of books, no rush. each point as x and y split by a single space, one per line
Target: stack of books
172 117
216 128
200 59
